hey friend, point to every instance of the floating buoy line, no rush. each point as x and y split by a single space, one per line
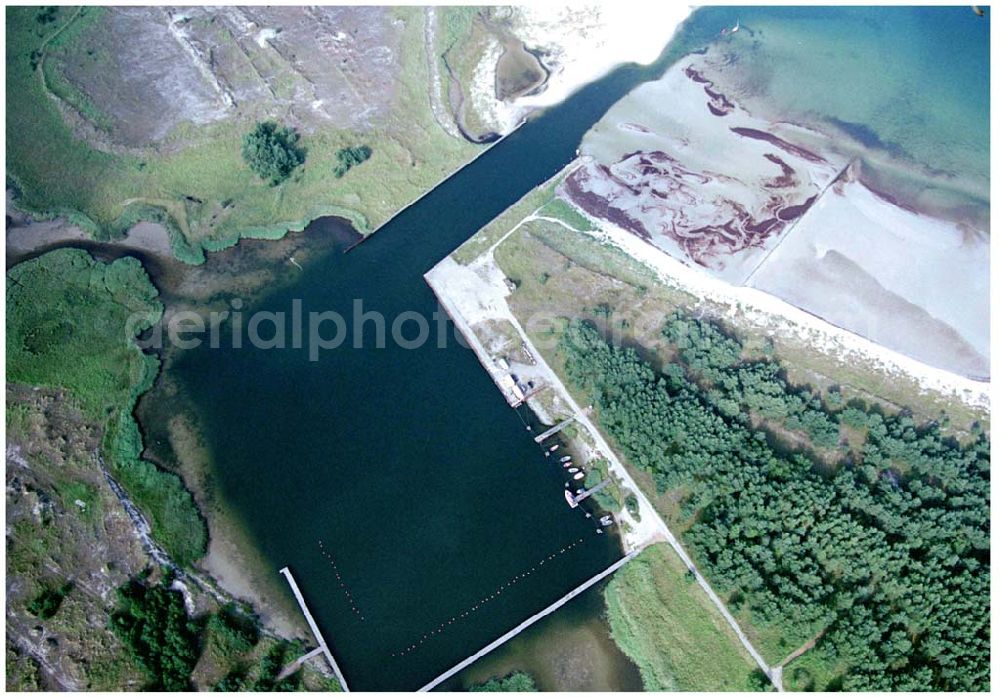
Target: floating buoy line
340 579
482 601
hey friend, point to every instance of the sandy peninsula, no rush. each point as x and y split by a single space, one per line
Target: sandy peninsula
579 44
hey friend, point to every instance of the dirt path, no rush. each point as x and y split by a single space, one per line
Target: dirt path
802 649
438 108
651 524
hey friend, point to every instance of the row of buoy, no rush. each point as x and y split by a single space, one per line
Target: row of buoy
343 586
485 599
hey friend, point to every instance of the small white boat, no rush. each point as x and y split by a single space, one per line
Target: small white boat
554 448
574 470
570 500
567 465
579 475
565 458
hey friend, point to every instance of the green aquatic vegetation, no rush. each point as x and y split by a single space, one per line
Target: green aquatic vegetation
66 326
71 324
886 551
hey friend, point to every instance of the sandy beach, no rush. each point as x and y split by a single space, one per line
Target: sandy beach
26 235
733 197
580 45
903 279
232 560
773 314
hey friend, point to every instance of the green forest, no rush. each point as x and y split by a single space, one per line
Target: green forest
812 515
154 625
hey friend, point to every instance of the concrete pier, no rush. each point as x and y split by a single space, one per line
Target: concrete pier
560 426
315 629
528 622
574 501
297 663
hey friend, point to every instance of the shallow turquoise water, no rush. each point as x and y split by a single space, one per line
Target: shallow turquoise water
911 84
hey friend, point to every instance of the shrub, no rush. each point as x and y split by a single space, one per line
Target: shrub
272 152
270 667
349 157
515 682
632 506
46 604
47 14
232 633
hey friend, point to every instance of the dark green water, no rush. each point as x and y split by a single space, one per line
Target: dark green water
407 465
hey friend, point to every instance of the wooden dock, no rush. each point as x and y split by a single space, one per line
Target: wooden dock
561 425
528 622
315 629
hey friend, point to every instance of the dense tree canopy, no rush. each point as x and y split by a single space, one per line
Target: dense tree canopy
272 151
349 157
515 682
154 625
888 549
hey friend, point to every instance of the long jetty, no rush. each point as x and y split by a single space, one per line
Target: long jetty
315 629
560 426
528 622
